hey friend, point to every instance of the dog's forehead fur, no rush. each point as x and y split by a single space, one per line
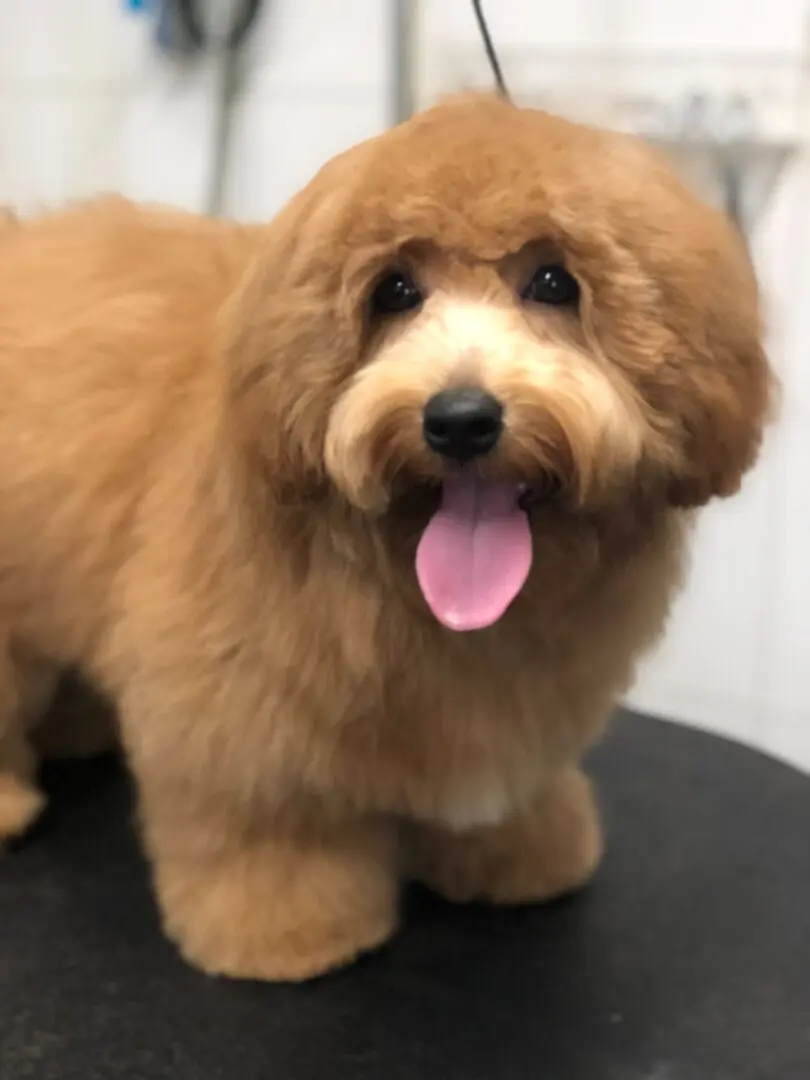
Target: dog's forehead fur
482 176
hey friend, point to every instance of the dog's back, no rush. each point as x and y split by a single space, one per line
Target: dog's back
106 318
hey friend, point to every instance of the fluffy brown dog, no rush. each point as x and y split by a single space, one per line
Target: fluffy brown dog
363 517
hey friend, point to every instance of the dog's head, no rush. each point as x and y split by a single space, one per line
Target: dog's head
487 311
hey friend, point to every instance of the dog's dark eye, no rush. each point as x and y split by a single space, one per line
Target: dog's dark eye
552 285
395 293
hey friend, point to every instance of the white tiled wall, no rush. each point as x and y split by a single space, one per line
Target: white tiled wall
86 104
316 83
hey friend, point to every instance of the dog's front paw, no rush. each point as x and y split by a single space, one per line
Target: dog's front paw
278 913
552 849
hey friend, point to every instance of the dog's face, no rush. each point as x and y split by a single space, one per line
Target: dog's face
489 312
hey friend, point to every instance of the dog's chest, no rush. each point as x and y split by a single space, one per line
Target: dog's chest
460 739
473 801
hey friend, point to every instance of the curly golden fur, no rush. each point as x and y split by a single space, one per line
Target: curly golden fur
213 479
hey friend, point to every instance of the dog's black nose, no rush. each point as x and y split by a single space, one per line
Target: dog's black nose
462 424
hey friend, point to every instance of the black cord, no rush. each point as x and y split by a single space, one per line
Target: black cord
492 56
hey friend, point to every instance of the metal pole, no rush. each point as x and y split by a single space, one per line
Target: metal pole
402 24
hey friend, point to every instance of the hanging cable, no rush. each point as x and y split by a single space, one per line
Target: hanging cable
489 48
191 28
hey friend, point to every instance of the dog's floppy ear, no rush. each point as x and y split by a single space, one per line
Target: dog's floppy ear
287 336
724 402
713 387
283 345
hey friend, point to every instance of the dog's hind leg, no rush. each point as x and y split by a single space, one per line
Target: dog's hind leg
26 688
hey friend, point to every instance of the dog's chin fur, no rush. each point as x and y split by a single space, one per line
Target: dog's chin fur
214 481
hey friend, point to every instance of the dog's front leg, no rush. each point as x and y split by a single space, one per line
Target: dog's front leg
551 848
270 901
254 892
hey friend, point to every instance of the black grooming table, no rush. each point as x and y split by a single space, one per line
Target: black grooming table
688 959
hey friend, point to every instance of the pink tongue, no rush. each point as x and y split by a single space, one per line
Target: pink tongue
475 554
